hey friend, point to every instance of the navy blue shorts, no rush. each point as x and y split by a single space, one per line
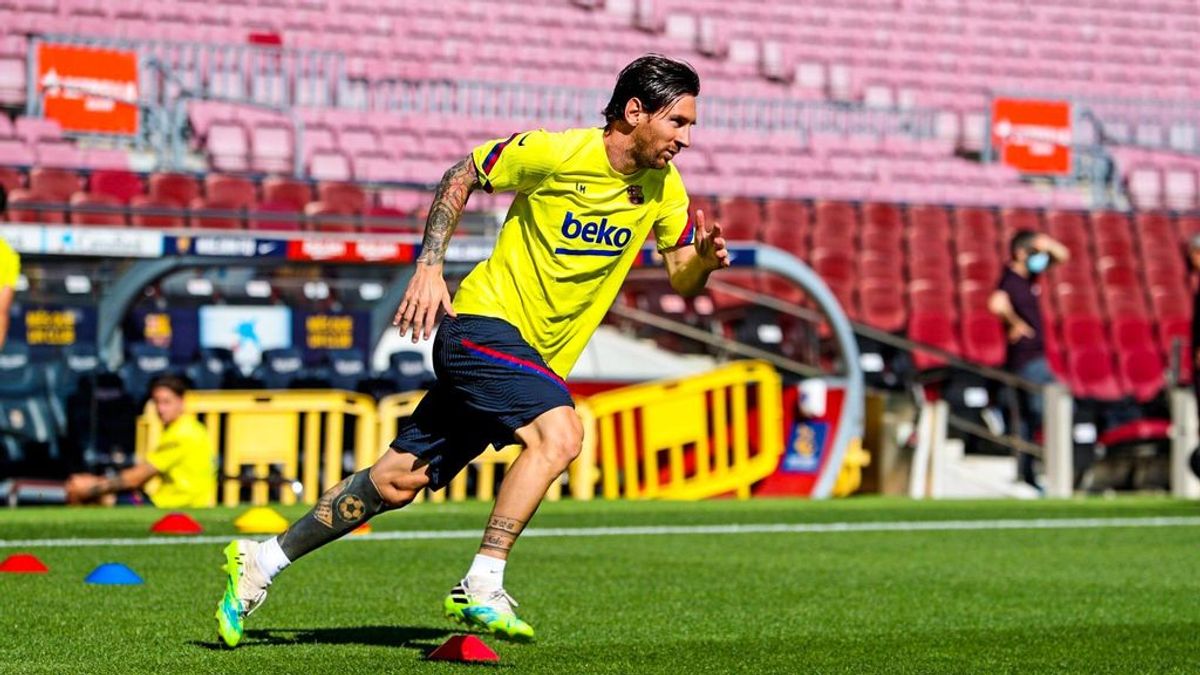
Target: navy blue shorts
490 382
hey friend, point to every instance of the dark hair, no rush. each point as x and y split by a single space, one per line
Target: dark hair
175 383
1021 241
656 81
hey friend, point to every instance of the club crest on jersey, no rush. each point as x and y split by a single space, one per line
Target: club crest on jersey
602 239
636 196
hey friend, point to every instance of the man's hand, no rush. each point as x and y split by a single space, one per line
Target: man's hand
710 245
81 487
1019 330
425 294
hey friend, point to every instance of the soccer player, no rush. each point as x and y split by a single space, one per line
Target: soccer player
586 200
180 472
10 271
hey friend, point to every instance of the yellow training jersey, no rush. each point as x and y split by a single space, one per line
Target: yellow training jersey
186 464
10 265
573 231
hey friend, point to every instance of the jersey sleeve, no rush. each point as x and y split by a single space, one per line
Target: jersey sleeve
167 454
674 227
517 163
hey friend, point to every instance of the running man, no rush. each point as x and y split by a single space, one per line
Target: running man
586 200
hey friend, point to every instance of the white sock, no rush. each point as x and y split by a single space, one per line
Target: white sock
271 558
486 573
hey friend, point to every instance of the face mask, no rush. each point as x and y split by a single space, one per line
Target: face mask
1038 262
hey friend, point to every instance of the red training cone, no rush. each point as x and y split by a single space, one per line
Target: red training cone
23 563
463 648
176 523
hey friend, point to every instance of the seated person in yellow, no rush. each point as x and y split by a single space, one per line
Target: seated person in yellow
10 271
179 472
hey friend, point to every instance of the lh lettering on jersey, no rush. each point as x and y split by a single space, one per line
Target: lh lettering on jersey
604 239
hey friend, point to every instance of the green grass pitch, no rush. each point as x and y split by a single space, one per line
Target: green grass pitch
1087 600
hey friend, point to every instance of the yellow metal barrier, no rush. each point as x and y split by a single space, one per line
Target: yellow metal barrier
643 428
297 430
580 476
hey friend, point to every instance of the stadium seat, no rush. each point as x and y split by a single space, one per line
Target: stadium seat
345 197
144 363
408 368
1091 375
124 185
347 369
89 208
294 193
277 216
27 206
234 191
882 307
935 329
181 189
1142 372
983 339
149 211
279 368
741 219
54 183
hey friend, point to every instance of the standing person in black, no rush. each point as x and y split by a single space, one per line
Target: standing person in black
1015 301
1194 260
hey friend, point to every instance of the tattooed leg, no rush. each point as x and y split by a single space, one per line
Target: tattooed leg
342 508
500 535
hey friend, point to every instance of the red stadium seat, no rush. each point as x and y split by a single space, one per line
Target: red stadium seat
1090 371
1142 372
935 329
1066 226
294 193
229 191
1082 330
345 197
218 215
179 188
741 219
388 221
1133 333
142 204
789 238
11 177
55 184
881 216
782 213
882 307
124 185
279 216
21 208
108 209
326 217
984 340
835 216
928 223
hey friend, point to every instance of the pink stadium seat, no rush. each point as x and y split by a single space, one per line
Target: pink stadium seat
60 154
228 147
14 152
36 129
329 165
271 148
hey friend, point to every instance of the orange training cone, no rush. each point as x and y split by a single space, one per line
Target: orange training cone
365 528
463 648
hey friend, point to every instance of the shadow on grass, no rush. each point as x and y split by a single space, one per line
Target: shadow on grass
420 638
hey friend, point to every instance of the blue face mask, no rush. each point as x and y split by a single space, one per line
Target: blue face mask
1038 262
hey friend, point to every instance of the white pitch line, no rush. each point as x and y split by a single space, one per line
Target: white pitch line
666 530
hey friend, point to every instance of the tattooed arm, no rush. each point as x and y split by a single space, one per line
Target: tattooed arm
427 289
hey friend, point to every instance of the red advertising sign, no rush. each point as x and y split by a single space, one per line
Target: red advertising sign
89 90
346 250
1033 136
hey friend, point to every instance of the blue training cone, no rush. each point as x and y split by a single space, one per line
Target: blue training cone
113 574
